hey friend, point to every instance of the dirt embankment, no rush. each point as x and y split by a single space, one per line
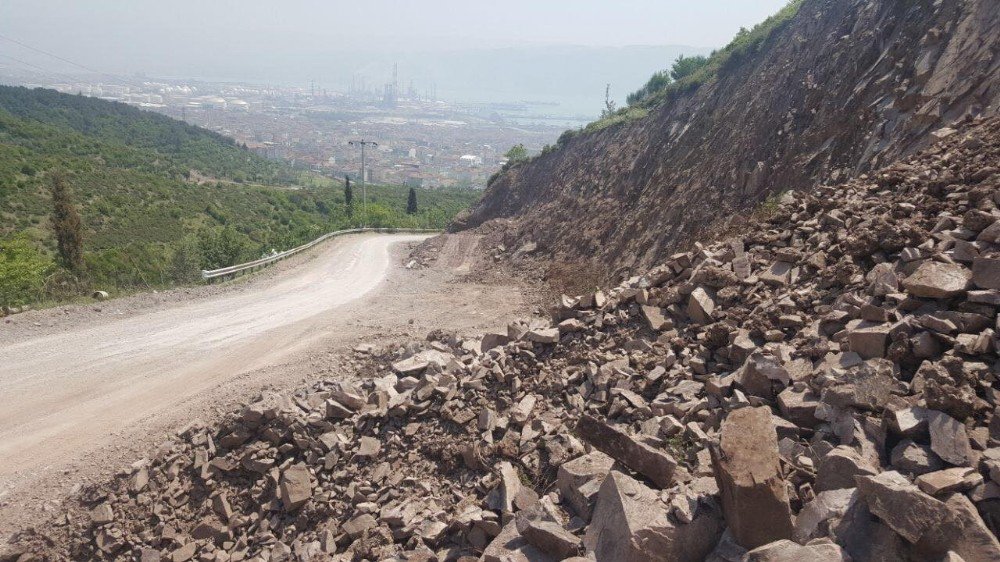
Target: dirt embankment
843 88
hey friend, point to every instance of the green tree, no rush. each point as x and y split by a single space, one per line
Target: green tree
411 202
67 225
223 247
348 196
686 66
517 153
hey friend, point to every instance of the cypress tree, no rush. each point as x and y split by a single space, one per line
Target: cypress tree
348 196
411 202
67 225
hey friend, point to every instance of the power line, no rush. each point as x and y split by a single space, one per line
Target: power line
57 57
36 67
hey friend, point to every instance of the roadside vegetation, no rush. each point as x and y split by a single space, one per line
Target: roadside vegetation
685 74
102 196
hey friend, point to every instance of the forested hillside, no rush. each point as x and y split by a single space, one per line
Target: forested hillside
146 221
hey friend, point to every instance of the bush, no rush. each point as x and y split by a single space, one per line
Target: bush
686 66
690 73
225 246
185 264
22 272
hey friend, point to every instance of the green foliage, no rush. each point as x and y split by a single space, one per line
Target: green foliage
689 73
185 147
623 115
22 272
656 83
66 225
147 221
187 260
348 197
516 154
686 66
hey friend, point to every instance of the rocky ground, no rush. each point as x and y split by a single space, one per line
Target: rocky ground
822 387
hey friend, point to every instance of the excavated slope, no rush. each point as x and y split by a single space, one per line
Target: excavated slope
843 88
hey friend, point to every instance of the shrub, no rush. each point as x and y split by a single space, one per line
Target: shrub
686 66
22 272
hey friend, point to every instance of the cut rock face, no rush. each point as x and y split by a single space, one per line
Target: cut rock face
754 495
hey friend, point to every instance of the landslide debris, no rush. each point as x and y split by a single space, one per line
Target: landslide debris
823 386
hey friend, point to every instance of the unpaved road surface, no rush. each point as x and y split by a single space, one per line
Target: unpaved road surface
107 385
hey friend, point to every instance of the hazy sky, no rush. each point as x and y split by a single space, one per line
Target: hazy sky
334 42
127 32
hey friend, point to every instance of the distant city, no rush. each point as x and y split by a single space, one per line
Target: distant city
421 141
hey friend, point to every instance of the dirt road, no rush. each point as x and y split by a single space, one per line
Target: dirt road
70 393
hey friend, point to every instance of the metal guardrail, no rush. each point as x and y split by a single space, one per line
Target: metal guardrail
249 266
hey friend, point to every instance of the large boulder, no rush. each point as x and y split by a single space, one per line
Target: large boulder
580 479
632 524
295 486
938 280
931 525
653 463
747 470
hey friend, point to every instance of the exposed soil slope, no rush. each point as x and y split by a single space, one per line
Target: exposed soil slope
843 88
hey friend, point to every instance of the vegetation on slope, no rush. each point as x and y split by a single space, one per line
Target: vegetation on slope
686 74
146 222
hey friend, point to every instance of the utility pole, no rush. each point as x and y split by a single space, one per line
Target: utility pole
364 192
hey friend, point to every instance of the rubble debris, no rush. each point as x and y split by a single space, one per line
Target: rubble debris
837 366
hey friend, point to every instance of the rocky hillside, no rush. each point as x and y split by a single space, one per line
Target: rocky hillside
821 386
842 88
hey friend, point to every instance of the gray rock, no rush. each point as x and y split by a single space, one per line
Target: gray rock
837 469
913 458
295 487
949 439
986 272
937 280
788 551
701 306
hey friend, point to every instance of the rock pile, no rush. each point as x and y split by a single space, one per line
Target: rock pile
822 388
